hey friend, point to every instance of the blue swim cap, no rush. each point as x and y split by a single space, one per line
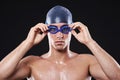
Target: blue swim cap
58 14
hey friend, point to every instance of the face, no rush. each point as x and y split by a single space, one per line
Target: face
59 36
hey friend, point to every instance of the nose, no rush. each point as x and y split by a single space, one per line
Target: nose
59 35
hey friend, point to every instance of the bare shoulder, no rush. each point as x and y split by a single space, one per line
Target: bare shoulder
31 58
87 57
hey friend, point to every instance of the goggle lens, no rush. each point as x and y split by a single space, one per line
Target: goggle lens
65 29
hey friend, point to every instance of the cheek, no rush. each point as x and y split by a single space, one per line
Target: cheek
68 37
51 38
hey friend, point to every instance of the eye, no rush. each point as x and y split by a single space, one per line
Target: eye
52 29
65 30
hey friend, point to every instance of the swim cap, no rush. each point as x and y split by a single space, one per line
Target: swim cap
58 14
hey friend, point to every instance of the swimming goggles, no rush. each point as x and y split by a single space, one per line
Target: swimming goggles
65 29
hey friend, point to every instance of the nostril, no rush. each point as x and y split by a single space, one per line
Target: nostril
59 35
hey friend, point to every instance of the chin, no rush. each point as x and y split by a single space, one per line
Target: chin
60 48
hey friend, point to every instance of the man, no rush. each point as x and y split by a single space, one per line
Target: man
59 63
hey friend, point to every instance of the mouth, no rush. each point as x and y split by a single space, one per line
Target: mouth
59 42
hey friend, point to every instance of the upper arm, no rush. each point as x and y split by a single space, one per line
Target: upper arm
96 70
22 70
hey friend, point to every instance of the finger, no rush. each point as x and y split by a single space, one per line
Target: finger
73 32
44 27
44 34
76 25
41 27
82 26
71 25
76 28
79 26
35 29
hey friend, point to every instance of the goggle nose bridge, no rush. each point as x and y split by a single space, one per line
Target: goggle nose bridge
61 28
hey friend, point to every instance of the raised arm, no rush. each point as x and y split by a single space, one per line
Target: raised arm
12 61
109 66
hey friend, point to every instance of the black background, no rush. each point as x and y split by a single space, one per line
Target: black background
101 17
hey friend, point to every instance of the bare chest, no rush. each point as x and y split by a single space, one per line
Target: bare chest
50 71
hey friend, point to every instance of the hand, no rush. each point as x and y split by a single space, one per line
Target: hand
37 33
83 36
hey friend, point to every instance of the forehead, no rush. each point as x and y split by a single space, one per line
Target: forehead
59 24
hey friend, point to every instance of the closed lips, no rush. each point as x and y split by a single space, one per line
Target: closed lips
59 42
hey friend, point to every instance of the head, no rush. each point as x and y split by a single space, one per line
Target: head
59 16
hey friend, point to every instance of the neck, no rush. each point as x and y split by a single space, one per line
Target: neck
59 56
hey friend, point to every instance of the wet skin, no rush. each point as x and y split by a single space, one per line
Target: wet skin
74 68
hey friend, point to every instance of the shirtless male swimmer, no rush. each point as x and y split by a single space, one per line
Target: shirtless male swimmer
59 63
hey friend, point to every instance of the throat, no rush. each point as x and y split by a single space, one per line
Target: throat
58 57
60 62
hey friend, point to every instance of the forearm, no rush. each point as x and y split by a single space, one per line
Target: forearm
108 64
9 63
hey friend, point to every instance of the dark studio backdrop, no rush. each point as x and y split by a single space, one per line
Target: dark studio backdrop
101 17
